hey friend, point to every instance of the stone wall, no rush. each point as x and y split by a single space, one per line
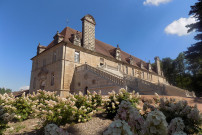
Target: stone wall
46 67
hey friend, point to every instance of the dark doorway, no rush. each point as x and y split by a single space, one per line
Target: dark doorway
85 90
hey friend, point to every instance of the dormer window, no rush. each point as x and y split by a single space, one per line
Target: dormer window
75 39
101 62
141 64
58 38
131 60
118 53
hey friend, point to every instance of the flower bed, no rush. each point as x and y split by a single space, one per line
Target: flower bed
164 116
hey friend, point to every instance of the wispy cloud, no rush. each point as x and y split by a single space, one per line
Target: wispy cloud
155 2
178 27
24 88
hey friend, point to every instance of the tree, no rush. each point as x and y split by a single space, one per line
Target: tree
167 67
5 90
176 72
194 53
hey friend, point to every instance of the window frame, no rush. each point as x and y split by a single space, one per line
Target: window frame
77 56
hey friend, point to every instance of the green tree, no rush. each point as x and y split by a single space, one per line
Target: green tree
5 90
167 68
194 53
176 71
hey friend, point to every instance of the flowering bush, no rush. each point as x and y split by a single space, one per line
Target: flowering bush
112 104
190 115
6 115
118 127
23 107
156 124
52 129
176 125
74 108
131 115
95 98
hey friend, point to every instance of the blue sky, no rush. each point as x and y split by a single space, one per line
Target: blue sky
143 28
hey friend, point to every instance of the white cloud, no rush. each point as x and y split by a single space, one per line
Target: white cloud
155 2
178 27
24 88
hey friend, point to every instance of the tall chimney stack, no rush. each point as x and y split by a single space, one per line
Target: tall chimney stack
158 67
88 32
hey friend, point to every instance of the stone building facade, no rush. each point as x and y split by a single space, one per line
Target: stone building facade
75 61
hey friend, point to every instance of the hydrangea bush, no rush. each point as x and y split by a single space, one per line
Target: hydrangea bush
118 127
156 123
191 116
166 116
131 115
112 104
52 129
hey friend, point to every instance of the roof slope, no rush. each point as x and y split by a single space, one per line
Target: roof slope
101 47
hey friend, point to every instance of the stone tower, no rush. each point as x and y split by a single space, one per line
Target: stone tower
158 67
88 32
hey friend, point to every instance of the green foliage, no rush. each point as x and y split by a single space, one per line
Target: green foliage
5 90
6 115
24 107
194 52
176 72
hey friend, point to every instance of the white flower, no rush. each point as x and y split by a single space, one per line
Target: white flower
118 127
176 125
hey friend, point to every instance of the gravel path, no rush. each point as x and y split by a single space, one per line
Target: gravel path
95 126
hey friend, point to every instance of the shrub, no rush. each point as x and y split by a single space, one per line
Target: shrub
52 129
156 124
96 99
118 127
23 107
190 115
6 115
131 115
176 125
114 100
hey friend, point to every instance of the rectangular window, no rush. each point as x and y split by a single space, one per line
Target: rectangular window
54 57
133 72
52 79
101 62
76 57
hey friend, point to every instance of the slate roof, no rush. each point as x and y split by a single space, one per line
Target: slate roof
103 48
